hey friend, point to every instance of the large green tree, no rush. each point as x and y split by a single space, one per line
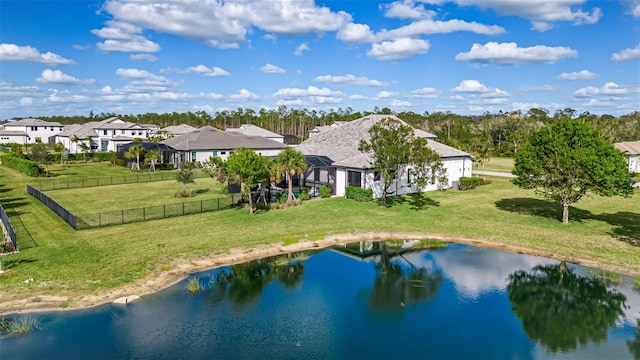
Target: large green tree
566 159
395 149
247 168
40 155
291 162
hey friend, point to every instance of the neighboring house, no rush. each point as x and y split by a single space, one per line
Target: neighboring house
631 151
208 141
252 130
320 128
103 135
29 131
167 153
175 130
351 167
153 129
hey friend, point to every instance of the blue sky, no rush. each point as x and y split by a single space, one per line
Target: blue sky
462 56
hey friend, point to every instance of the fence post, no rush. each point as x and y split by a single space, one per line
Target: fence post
99 219
144 215
164 211
122 215
82 182
200 205
218 203
183 209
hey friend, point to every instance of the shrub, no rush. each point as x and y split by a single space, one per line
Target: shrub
281 197
304 194
359 194
24 166
193 286
184 193
468 183
103 156
325 191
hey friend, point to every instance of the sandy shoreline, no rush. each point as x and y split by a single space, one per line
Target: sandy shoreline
155 282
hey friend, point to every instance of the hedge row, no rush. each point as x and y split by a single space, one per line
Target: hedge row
468 183
25 166
359 194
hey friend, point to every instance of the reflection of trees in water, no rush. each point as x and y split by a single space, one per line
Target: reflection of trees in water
396 286
245 283
634 345
561 309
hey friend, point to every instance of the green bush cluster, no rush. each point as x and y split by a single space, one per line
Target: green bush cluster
359 194
304 194
27 167
325 191
468 183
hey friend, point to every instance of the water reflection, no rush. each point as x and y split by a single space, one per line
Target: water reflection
561 309
457 302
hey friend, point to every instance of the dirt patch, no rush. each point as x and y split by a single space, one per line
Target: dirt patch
15 303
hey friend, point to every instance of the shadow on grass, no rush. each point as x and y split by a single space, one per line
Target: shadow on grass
626 224
10 264
201 191
417 202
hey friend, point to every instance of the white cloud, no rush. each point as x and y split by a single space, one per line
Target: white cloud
358 97
56 96
627 54
355 34
13 52
580 75
541 13
26 101
398 49
349 79
121 36
400 104
608 89
478 93
243 95
385 95
144 81
511 54
427 27
294 96
49 76
203 70
632 6
147 57
81 47
471 86
302 47
528 88
226 24
272 69
407 9
424 93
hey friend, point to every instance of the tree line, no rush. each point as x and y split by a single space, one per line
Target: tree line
501 134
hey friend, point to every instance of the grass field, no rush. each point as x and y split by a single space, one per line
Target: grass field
63 261
500 164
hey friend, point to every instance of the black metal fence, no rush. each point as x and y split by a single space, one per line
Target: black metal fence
110 180
116 217
65 214
10 232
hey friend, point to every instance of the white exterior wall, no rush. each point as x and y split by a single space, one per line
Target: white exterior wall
18 139
341 181
203 155
634 164
455 169
43 132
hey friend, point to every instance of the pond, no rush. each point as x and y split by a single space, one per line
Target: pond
365 300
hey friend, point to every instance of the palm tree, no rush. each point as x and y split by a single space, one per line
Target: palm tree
134 152
75 139
291 162
152 157
85 149
59 148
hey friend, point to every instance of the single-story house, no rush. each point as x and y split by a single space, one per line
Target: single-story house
206 142
253 130
167 153
320 128
29 131
352 167
631 150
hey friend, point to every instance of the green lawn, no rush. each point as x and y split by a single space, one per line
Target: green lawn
500 164
116 197
66 262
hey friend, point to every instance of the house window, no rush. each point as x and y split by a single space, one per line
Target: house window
122 132
38 139
34 128
113 132
193 156
354 178
139 132
104 132
52 128
133 133
223 153
182 157
376 176
409 176
60 128
215 153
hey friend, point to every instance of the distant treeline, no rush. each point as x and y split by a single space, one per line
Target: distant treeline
500 134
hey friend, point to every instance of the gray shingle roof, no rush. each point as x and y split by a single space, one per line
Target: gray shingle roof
629 147
210 138
79 130
252 130
32 122
12 133
178 129
111 125
341 143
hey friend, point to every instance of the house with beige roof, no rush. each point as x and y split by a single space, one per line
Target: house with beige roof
175 130
631 151
253 130
103 135
201 144
352 167
29 131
